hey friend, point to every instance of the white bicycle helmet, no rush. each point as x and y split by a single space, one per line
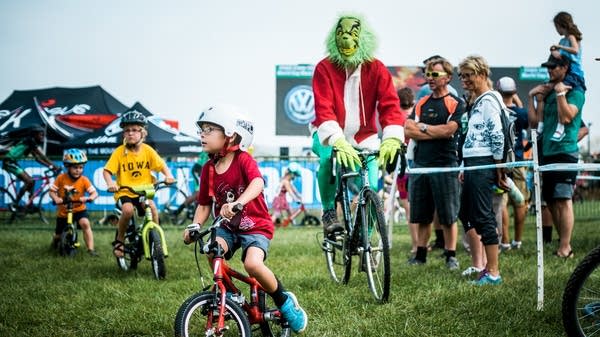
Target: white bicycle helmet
232 119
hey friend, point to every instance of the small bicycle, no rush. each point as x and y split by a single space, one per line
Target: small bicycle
223 310
365 233
307 219
35 203
68 244
581 298
144 240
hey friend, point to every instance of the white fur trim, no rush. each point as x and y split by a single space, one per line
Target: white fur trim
370 143
393 131
329 132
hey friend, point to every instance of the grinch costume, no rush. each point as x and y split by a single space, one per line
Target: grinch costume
353 91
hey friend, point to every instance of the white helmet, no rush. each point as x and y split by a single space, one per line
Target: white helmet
232 119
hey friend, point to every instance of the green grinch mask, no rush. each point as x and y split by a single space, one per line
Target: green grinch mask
346 36
350 43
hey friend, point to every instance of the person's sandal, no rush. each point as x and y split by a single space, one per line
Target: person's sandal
118 246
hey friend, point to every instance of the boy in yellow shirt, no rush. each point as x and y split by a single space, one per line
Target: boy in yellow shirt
132 163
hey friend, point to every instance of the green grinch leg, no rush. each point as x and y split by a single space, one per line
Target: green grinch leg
326 185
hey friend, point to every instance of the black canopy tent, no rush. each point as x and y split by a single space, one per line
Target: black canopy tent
166 140
65 112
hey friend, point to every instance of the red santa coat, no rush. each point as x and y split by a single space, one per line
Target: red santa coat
346 105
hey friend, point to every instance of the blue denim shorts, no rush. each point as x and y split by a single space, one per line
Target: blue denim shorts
236 240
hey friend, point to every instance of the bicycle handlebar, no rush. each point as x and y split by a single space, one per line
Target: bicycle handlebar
144 188
196 233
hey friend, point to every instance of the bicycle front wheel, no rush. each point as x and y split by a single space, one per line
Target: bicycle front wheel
581 299
376 248
168 198
157 256
67 244
198 316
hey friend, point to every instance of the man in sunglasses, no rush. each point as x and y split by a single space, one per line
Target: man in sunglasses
557 103
434 124
425 89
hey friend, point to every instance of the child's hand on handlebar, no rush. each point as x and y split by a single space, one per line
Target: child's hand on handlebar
190 233
113 188
170 180
230 209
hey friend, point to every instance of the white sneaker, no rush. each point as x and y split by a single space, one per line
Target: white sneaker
470 271
515 244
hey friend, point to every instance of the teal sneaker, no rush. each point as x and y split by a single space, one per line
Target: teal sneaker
486 279
294 314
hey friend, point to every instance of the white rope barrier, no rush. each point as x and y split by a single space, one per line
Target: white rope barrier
537 192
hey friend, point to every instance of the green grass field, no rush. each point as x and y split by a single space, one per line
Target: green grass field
43 294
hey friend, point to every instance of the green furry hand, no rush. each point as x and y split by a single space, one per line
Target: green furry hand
346 154
387 150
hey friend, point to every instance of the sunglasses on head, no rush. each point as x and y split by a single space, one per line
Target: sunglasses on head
551 66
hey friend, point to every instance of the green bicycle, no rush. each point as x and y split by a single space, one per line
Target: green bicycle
146 240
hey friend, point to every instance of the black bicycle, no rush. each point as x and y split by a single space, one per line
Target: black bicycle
365 234
581 298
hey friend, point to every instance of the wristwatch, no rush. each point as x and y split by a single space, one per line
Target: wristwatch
423 128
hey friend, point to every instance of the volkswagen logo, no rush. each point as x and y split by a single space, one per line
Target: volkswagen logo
299 104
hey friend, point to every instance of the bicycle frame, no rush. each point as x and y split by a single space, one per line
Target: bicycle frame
148 224
13 188
344 190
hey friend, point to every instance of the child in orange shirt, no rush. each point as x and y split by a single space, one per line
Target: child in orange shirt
74 160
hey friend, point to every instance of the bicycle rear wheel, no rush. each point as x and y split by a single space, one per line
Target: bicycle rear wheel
581 299
310 220
335 256
7 199
132 249
198 315
273 326
376 249
157 256
168 198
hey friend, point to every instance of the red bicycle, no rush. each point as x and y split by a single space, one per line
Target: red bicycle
307 219
35 202
223 310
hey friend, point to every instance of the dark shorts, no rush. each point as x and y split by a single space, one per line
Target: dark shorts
137 204
244 241
12 166
61 223
558 184
434 192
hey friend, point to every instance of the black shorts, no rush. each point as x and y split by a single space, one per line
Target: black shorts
558 184
61 223
135 201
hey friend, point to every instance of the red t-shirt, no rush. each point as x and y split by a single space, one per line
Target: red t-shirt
228 186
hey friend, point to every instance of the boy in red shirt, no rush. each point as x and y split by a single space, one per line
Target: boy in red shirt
231 177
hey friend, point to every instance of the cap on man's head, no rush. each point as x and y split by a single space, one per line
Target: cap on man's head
554 61
506 85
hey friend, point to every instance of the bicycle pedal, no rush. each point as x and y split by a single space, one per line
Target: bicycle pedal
76 244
